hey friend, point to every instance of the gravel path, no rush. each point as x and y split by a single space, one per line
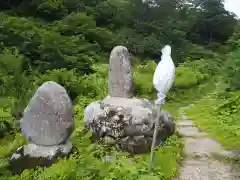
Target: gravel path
199 162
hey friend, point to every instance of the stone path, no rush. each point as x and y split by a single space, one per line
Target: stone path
199 162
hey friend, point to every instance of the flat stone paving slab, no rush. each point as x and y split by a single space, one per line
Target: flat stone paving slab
190 132
185 123
207 170
205 146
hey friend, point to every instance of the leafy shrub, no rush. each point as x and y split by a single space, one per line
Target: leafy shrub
192 80
186 77
143 75
67 78
15 83
7 124
219 116
10 144
79 24
199 52
232 70
231 104
191 74
189 77
234 41
44 48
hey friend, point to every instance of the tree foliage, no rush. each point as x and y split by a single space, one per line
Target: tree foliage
142 26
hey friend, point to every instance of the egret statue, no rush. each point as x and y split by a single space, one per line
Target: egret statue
163 78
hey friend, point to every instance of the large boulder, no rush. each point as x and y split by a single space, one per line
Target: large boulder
127 123
48 118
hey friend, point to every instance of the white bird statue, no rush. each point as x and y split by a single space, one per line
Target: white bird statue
163 79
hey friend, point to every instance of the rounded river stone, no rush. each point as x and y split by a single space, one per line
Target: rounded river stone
48 118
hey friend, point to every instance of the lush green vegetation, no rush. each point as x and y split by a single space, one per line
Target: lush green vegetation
218 113
88 163
219 116
68 41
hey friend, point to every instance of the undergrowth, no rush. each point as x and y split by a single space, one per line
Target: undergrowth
218 114
89 162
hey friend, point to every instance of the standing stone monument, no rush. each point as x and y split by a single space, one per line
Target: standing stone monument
47 123
121 119
120 81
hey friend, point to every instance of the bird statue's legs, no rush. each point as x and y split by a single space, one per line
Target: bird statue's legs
156 128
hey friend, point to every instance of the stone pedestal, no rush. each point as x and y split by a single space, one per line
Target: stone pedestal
127 123
32 155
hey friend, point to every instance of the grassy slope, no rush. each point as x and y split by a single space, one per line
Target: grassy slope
225 129
222 124
187 96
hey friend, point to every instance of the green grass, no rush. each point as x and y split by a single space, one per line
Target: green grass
223 127
184 97
229 160
10 143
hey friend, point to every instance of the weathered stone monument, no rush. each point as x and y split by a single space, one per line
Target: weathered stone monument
47 123
120 81
121 119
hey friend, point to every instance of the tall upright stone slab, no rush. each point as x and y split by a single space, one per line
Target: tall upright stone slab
47 123
120 80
